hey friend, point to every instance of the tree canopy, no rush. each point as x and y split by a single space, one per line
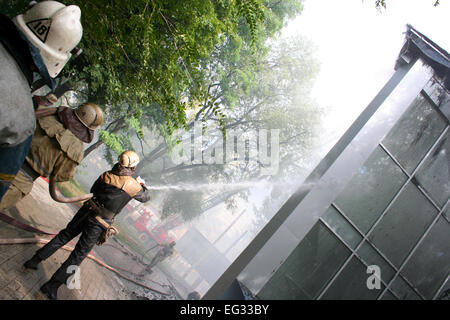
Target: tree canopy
156 66
141 58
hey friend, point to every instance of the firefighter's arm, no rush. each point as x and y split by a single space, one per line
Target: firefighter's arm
144 194
45 101
43 105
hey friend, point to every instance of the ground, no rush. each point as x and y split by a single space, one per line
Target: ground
96 281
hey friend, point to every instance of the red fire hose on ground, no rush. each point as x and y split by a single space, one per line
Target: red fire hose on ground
11 241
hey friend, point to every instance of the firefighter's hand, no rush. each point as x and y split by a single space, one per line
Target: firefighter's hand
47 101
141 181
51 98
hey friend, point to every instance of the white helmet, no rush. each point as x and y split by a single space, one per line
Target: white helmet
53 28
90 114
129 159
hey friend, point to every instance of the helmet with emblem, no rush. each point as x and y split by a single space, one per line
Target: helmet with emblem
53 28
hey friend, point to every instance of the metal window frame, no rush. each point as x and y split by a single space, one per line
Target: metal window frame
365 237
260 240
353 254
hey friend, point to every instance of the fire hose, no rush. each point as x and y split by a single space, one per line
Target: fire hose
23 226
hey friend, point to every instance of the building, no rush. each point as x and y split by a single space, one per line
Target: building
372 220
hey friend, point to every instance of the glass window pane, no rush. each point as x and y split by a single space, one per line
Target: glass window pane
368 254
434 175
439 95
344 229
415 133
444 292
352 284
403 225
369 192
388 296
430 263
403 290
308 268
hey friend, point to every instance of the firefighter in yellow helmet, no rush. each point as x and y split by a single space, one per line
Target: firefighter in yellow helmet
39 41
56 150
111 192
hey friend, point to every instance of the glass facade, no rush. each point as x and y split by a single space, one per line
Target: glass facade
305 273
393 214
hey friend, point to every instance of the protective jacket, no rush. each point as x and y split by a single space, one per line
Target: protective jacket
115 188
55 151
112 191
17 120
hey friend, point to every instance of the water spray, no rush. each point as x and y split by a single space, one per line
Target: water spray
209 186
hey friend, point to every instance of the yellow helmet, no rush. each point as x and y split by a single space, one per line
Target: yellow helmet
55 29
90 115
129 159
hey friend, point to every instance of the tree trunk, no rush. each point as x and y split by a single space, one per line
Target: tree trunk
92 147
118 125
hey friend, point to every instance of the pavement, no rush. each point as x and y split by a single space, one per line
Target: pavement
96 282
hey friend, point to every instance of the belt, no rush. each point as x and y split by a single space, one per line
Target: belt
100 210
92 205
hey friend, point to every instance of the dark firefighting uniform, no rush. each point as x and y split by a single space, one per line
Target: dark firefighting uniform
112 191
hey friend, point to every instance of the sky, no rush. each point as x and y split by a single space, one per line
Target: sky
357 46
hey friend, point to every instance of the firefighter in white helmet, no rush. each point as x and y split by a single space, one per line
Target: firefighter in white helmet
112 191
54 29
40 40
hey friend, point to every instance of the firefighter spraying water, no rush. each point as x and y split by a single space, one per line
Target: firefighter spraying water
111 192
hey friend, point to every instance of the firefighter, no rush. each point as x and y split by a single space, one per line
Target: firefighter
112 191
40 40
164 251
56 150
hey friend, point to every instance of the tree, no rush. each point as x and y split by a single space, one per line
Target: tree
232 21
158 65
277 97
141 57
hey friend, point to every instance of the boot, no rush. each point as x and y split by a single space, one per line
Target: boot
33 262
50 288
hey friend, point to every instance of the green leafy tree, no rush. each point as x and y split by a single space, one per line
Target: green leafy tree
157 66
277 97
142 57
